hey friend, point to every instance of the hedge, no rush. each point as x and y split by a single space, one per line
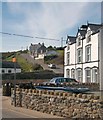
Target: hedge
32 75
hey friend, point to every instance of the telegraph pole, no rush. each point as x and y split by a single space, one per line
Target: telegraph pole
61 41
14 60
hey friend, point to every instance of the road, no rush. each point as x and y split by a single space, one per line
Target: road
9 111
59 68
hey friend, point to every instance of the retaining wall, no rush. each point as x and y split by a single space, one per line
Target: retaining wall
60 103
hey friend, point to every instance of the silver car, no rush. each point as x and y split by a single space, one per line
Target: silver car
60 81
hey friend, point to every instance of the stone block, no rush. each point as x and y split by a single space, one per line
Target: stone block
79 95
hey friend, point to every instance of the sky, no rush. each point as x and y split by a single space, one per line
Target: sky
44 19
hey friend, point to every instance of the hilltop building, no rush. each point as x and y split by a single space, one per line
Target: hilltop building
37 51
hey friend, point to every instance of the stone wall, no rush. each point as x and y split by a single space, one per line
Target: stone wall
91 86
60 103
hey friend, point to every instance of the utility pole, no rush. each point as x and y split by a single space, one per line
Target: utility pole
14 60
61 41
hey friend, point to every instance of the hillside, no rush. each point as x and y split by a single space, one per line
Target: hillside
58 60
28 66
24 64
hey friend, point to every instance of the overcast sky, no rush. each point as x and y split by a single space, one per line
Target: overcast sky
44 19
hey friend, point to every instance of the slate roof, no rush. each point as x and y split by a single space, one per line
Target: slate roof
35 46
9 64
82 32
94 27
72 39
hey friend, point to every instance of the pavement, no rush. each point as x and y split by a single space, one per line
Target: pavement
19 112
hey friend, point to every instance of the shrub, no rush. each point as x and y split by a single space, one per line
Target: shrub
37 67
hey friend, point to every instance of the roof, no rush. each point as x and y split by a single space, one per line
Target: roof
9 64
94 27
36 46
82 32
72 39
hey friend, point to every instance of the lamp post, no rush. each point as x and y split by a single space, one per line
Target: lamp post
14 60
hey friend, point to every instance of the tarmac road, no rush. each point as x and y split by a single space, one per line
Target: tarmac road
9 111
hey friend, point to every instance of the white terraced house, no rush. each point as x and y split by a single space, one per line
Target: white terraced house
82 54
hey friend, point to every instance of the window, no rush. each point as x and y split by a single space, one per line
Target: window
79 41
68 58
95 75
9 71
73 73
79 55
79 74
88 75
88 36
68 47
3 71
68 73
88 53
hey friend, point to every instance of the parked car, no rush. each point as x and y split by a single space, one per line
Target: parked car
52 66
60 81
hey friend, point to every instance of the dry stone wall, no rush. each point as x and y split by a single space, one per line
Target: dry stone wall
60 103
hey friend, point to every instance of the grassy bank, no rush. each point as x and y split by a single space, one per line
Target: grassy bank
26 67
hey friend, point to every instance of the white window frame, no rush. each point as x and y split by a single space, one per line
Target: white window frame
68 58
78 41
88 54
88 36
73 73
79 74
88 77
95 74
68 73
79 56
68 47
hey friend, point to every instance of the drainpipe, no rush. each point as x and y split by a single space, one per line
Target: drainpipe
82 60
75 61
101 58
98 58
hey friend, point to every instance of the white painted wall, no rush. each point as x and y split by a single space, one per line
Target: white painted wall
94 47
72 54
40 56
65 56
70 68
91 65
94 56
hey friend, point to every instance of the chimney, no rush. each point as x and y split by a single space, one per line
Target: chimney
42 44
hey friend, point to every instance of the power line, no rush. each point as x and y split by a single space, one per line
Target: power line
16 34
28 36
6 33
47 38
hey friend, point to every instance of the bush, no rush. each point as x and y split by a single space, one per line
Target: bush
46 58
32 75
37 67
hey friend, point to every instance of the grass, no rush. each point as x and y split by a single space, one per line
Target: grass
9 58
61 52
26 67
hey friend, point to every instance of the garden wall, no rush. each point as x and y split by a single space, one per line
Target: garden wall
60 103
